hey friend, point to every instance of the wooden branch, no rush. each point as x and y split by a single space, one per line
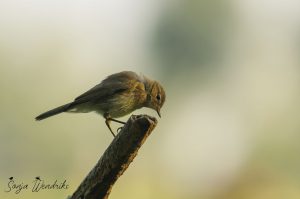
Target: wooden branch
116 159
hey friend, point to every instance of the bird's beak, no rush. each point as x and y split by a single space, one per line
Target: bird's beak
158 112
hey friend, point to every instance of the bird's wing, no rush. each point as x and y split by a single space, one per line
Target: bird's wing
100 91
110 86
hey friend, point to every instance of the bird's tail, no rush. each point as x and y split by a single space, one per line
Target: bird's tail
55 111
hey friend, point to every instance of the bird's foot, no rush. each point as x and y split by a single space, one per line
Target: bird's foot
119 129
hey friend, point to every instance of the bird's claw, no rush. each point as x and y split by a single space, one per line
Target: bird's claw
119 129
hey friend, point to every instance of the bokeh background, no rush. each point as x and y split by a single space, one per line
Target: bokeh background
231 70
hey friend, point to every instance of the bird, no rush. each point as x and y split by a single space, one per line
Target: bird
117 95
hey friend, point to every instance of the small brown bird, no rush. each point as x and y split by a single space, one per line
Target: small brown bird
116 96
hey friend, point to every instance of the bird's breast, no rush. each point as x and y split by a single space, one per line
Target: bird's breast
126 102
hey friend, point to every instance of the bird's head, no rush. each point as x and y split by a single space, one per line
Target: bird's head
156 96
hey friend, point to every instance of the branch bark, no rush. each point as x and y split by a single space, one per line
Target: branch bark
116 159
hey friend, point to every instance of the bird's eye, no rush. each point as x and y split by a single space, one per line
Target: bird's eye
158 97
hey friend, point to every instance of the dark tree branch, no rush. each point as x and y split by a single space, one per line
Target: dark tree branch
116 159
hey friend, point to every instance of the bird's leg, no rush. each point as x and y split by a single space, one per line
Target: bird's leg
107 122
120 128
117 121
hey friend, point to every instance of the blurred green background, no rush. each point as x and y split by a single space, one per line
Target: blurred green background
231 70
